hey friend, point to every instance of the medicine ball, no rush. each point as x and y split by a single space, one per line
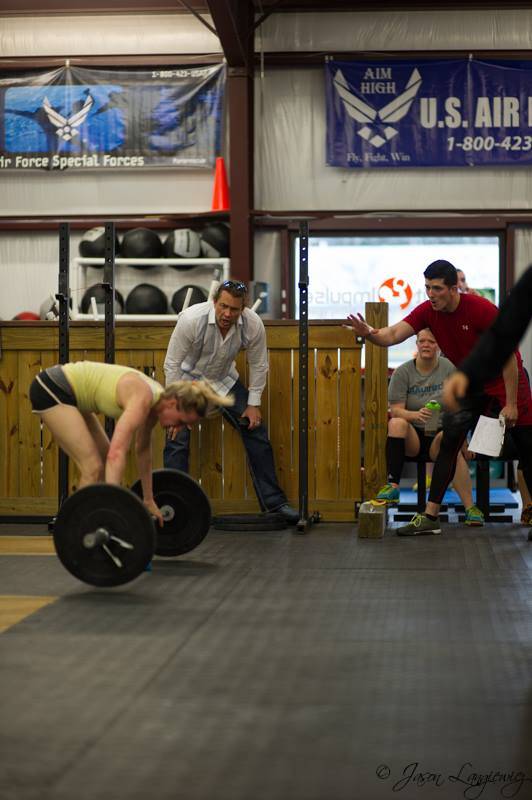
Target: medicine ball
182 243
146 299
49 308
27 315
98 292
141 243
199 295
215 240
92 245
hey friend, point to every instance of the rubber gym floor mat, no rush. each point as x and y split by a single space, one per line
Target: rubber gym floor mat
318 667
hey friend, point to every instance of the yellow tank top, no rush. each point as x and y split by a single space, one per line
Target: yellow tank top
94 386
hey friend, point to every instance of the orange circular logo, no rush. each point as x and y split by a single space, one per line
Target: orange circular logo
395 290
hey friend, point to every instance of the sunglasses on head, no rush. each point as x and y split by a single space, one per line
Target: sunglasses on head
236 285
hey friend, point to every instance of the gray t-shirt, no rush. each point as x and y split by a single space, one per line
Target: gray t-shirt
410 387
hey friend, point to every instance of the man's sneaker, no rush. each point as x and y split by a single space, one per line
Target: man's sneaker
526 515
389 493
474 517
418 526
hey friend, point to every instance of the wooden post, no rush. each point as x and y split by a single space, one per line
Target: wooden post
375 404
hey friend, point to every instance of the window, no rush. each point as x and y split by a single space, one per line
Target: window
345 272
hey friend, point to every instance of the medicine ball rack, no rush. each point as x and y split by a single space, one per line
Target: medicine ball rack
77 280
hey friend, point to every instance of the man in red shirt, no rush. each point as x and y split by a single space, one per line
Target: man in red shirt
457 321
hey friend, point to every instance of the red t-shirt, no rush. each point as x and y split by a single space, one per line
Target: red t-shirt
457 333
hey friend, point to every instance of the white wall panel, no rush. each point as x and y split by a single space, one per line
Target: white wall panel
29 266
399 30
107 193
267 256
112 34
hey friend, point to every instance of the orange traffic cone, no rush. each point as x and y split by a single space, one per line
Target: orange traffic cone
220 195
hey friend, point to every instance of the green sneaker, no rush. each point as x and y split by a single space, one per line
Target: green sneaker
418 526
474 517
389 493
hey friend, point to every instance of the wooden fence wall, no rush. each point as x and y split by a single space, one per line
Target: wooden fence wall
28 473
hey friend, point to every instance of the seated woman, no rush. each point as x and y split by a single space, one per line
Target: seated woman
69 396
412 385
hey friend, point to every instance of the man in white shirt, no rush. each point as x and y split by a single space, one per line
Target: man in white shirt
204 344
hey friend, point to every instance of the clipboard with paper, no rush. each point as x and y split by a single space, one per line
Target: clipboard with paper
488 436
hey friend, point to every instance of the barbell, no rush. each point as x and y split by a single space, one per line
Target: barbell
105 536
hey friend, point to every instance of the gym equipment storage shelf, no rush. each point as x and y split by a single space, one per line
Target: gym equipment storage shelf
125 281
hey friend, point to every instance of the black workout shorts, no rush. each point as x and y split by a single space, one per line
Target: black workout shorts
425 443
45 393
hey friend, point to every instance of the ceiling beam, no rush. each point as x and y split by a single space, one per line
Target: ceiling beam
234 20
198 16
231 20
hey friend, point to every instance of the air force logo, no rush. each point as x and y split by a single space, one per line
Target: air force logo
376 128
65 119
66 126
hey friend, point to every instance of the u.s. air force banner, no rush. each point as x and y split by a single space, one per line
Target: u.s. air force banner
73 118
428 113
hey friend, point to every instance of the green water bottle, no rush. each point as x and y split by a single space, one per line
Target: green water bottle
431 425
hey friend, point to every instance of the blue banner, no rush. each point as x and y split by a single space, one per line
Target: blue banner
74 118
428 113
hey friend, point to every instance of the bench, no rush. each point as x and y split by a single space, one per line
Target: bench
482 463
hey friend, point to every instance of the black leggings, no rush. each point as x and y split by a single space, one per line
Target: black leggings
455 429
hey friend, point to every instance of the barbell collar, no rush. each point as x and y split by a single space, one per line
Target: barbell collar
94 538
168 513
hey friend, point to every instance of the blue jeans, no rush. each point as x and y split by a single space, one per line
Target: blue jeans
258 449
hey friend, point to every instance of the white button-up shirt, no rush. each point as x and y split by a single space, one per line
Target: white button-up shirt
198 350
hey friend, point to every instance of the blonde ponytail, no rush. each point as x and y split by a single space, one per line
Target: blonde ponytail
196 396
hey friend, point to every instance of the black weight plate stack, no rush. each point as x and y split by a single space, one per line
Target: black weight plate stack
123 515
191 511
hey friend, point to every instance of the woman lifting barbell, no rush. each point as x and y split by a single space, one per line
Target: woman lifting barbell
67 397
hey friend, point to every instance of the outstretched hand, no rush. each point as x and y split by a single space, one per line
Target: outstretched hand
358 324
